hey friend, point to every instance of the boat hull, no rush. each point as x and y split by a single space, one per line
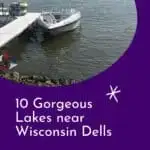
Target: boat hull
66 28
4 19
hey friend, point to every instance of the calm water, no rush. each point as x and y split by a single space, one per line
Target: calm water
107 29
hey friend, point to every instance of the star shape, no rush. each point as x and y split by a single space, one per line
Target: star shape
113 93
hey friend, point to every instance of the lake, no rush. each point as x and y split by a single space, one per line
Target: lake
107 29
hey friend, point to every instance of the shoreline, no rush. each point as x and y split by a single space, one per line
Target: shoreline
39 80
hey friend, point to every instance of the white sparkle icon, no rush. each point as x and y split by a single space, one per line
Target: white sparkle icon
113 93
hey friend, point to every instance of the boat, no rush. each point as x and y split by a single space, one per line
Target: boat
57 22
18 8
4 14
14 10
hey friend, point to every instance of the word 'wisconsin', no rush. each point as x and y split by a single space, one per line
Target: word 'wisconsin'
86 130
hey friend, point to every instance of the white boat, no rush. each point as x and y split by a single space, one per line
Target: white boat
4 18
59 22
14 10
18 8
4 14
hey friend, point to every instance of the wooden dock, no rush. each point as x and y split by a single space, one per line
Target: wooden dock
16 27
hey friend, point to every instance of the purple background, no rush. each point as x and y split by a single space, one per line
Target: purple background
128 119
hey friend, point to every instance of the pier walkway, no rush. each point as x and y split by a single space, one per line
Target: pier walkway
16 27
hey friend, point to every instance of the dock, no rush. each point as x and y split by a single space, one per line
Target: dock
16 27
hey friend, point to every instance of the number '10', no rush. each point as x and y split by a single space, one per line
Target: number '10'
22 103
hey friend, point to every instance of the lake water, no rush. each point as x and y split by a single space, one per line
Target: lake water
107 29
